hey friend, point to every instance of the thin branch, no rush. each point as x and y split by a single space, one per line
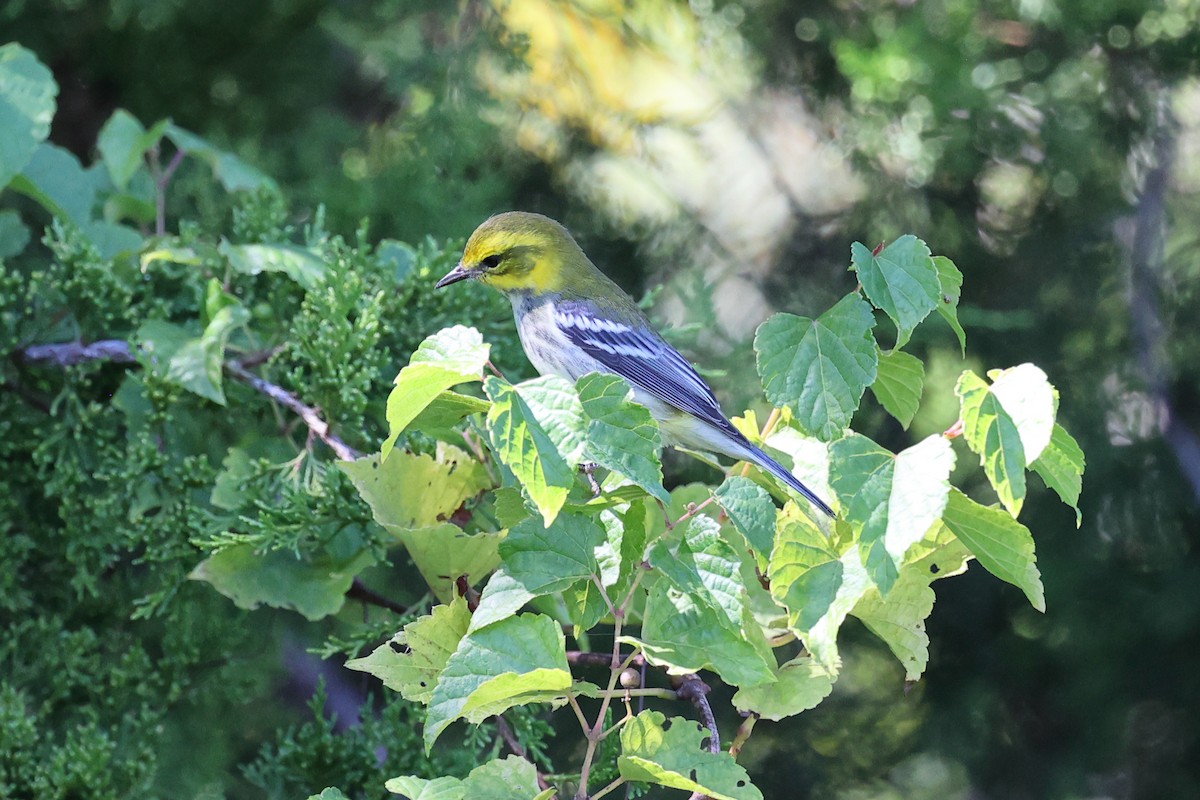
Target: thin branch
693 689
358 591
308 414
586 659
66 354
617 782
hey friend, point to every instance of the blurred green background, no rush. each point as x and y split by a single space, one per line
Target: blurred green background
731 152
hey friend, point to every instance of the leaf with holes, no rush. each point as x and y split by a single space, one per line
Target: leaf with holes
668 753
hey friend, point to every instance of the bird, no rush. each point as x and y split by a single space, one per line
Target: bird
572 320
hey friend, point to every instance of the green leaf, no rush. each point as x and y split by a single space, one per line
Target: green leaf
233 173
447 358
816 585
424 789
55 180
123 143
902 281
991 432
516 661
890 501
1003 546
411 661
298 263
445 411
899 620
1061 466
196 364
898 385
1027 396
695 559
444 553
670 755
412 490
14 236
546 559
819 368
509 778
950 282
800 684
525 447
502 597
555 405
621 434
315 586
329 793
686 635
751 511
27 92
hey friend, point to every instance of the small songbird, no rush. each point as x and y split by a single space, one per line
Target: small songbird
573 320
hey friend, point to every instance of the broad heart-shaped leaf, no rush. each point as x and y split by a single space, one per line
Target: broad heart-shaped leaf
509 778
410 661
686 635
1061 467
412 490
439 418
525 447
670 755
193 363
1003 546
899 620
800 684
54 179
991 432
233 173
27 91
546 559
902 281
890 501
621 434
898 385
444 553
300 264
316 587
556 406
123 143
751 511
950 283
447 358
1027 396
518 660
695 559
817 585
819 368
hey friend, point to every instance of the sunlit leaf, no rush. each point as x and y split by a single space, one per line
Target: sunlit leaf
621 434
411 660
669 753
898 385
1003 546
515 661
1061 466
901 281
819 368
519 440
950 286
800 684
416 490
991 432
447 358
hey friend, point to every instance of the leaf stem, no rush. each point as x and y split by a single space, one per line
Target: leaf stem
743 733
615 784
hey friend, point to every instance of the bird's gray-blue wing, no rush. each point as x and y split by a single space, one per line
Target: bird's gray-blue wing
639 355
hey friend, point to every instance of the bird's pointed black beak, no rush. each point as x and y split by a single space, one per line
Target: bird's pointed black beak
459 273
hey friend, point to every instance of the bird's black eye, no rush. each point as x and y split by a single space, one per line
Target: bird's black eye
491 262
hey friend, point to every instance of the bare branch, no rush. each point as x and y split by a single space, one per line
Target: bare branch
358 591
65 354
693 689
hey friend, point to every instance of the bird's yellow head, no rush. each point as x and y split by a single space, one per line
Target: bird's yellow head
519 252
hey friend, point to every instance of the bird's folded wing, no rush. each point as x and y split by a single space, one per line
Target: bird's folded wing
639 355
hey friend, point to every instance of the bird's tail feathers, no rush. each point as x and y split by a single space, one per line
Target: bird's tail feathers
775 468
